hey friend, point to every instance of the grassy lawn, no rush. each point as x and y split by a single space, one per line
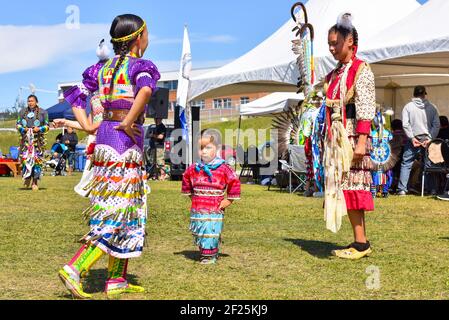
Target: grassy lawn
7 123
275 247
8 139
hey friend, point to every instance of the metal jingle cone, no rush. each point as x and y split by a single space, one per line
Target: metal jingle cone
135 157
91 164
106 217
84 238
96 237
126 187
103 188
115 192
92 157
123 167
126 213
103 156
89 184
95 185
98 155
89 209
106 161
116 216
113 166
96 212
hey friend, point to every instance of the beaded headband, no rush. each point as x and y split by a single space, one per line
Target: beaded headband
131 36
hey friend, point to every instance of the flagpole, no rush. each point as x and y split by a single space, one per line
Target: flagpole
190 142
183 95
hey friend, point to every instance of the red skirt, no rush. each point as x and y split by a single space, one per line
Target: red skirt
359 200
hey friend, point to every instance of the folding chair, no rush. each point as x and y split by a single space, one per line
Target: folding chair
291 172
436 160
251 167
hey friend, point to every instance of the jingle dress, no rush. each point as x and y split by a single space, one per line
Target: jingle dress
355 110
97 117
207 192
118 211
32 144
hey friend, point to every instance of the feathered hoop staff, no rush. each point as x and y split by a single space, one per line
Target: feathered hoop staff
287 126
303 47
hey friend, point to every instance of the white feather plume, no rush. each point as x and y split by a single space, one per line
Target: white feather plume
389 112
345 20
103 51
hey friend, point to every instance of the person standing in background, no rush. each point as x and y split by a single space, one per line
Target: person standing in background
32 124
70 139
444 128
421 123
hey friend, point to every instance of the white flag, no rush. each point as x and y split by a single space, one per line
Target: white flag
183 92
184 72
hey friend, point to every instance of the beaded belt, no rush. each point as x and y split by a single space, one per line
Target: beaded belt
208 193
128 165
119 115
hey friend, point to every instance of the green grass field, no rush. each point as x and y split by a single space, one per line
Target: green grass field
8 139
275 247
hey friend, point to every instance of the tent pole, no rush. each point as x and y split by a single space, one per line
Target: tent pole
394 100
238 140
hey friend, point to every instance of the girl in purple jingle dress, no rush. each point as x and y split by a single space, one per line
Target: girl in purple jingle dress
118 211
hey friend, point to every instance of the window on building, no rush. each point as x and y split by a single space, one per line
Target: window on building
227 103
170 85
244 100
218 103
199 103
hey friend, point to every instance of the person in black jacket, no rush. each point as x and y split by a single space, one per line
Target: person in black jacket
32 124
444 128
157 147
70 139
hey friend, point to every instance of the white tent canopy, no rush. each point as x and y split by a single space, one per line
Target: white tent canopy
415 52
417 47
271 104
273 60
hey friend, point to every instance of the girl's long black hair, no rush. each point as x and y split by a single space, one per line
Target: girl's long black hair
345 32
123 26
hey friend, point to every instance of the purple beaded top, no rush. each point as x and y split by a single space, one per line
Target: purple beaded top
142 73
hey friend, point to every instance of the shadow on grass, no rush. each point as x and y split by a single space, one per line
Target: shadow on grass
443 238
315 248
29 189
96 280
195 255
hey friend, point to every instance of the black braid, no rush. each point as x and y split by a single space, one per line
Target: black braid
123 51
122 26
355 36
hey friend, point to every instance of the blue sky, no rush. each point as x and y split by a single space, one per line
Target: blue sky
41 51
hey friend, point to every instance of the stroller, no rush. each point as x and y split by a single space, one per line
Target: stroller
58 161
